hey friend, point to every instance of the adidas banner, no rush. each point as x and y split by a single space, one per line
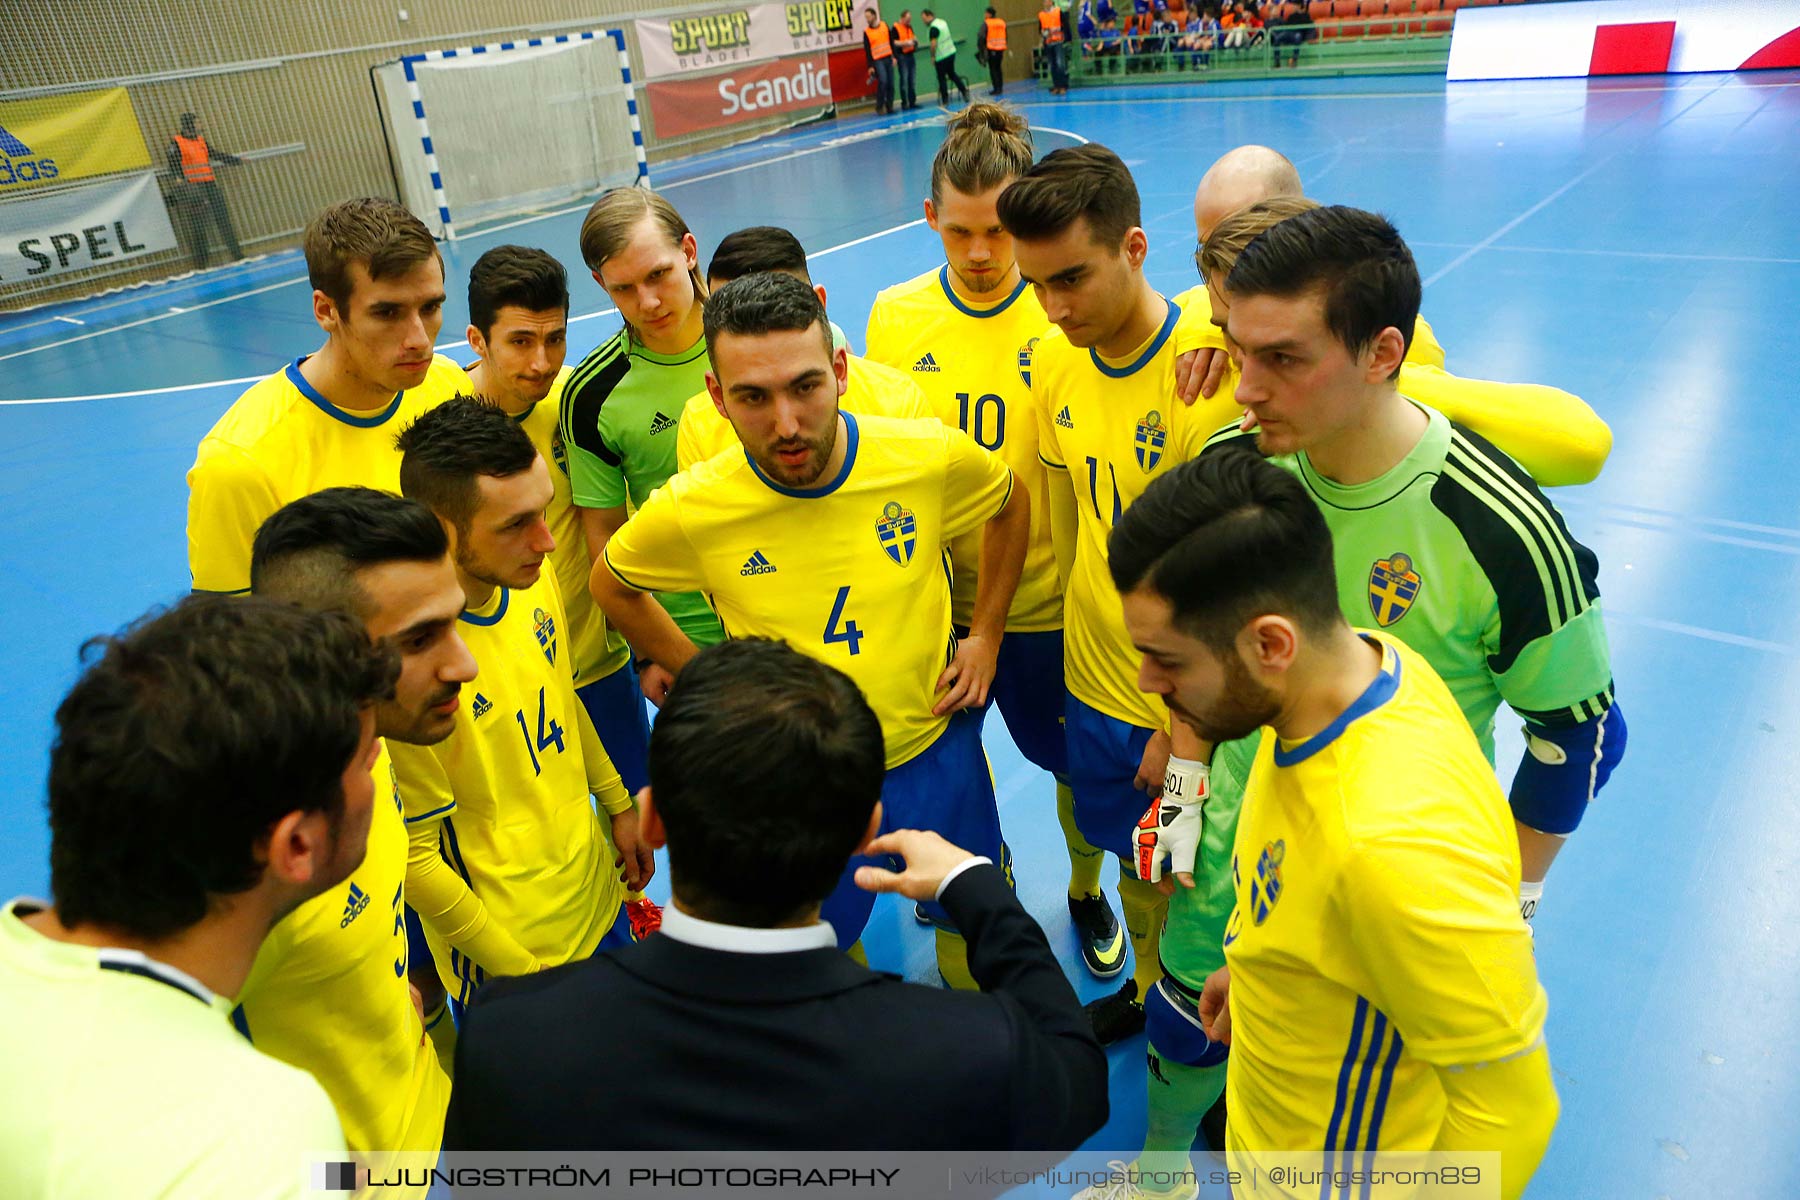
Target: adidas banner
73 136
71 229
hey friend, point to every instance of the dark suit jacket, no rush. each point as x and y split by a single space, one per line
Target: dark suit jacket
668 1046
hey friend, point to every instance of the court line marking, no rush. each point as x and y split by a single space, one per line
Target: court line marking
438 349
1517 221
1664 515
82 337
1697 631
1659 255
1446 93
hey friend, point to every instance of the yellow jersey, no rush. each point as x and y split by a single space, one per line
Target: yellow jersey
1376 938
282 440
853 572
329 994
974 362
1106 429
594 653
871 390
511 792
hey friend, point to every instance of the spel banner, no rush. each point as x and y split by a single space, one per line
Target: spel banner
72 229
751 33
59 138
681 106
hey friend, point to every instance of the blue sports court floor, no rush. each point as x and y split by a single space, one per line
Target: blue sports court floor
1633 241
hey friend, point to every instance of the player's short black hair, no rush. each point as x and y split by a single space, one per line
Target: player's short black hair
1357 259
758 248
524 276
1226 538
765 765
766 302
445 451
182 744
309 551
1075 183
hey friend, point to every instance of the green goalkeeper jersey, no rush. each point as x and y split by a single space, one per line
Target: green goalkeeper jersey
620 411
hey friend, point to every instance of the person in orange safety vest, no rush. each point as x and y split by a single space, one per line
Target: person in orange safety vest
191 160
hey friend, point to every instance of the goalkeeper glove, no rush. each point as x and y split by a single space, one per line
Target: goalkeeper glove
1170 829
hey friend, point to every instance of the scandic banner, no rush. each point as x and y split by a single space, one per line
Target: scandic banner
750 33
682 106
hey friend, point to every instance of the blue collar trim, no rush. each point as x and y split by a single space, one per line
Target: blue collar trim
494 618
1156 343
333 411
1378 693
818 492
980 314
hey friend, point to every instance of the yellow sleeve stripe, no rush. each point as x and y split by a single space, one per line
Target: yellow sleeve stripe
436 812
1051 463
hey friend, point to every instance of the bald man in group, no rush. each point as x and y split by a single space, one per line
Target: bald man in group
1555 435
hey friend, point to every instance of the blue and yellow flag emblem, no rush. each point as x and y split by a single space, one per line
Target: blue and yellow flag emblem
544 625
898 530
1025 353
1151 436
1265 889
1393 586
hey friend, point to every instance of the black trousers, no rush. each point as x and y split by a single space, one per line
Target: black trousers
947 76
995 66
903 72
204 205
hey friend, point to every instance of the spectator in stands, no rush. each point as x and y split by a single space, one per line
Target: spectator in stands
1291 26
1107 41
1086 28
905 43
191 160
878 52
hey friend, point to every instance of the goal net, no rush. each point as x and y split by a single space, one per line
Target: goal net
489 132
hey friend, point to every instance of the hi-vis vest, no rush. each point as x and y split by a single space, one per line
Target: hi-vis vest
878 41
903 37
195 164
996 34
1051 24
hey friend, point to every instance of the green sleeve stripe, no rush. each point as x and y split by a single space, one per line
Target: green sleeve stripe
1550 543
587 391
1227 435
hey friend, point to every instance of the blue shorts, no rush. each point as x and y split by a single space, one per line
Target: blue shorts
620 935
1104 755
1028 690
946 788
616 707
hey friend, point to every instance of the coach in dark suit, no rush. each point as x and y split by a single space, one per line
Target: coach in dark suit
740 1026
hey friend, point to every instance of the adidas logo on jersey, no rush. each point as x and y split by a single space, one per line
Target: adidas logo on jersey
757 564
353 906
660 424
481 707
928 364
1064 420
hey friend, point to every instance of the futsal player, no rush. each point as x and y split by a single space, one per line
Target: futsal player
1441 538
1551 433
329 992
830 533
517 873
621 408
210 774
1103 387
1380 991
327 418
518 328
870 388
965 330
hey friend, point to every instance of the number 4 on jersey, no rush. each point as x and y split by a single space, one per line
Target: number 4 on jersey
848 633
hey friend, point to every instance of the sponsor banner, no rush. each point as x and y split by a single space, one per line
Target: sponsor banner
73 136
1610 37
682 106
72 229
850 75
751 33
